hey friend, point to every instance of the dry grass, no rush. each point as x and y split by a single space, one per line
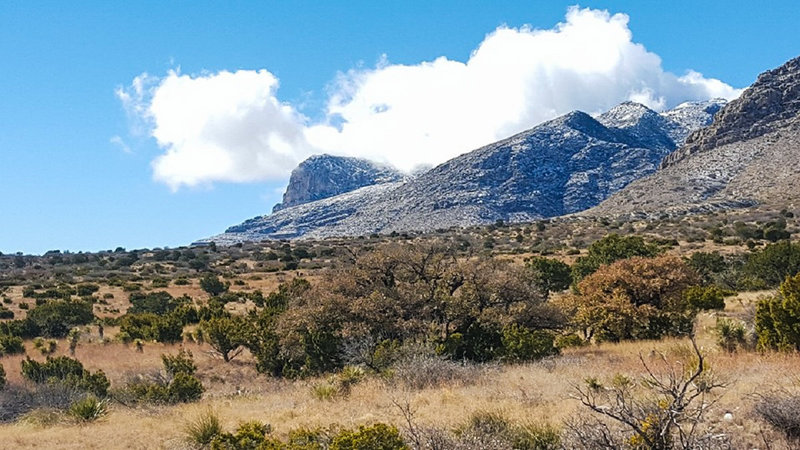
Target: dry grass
522 392
531 392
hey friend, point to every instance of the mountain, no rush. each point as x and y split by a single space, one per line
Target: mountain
324 176
559 167
748 156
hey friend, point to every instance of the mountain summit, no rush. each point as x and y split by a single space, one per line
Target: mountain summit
559 167
748 156
323 176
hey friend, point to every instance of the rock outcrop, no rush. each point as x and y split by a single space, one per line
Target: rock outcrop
771 103
324 176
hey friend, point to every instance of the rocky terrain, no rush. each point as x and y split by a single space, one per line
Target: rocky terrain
771 103
748 156
559 167
323 176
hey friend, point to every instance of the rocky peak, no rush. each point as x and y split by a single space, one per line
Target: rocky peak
772 102
645 126
323 176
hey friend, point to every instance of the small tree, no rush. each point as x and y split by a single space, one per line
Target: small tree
609 249
212 285
778 318
551 275
225 335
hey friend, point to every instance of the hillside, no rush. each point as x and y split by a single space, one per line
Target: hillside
559 167
747 157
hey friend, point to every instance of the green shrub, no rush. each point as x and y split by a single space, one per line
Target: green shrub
731 335
55 318
551 275
184 388
6 313
11 345
523 344
88 409
777 318
248 436
151 327
611 248
705 298
182 362
376 437
212 285
179 386
68 371
774 263
203 428
563 341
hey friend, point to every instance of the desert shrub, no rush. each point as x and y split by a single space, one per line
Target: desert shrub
6 313
731 335
11 345
523 344
182 362
663 409
86 289
45 346
212 285
248 436
563 341
66 370
151 327
226 335
777 318
203 428
636 298
486 429
707 265
551 275
773 264
421 368
781 410
375 437
177 384
17 401
2 377
159 303
55 318
704 298
88 409
609 249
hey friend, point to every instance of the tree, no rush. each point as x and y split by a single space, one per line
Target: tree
635 298
611 248
212 285
550 274
226 335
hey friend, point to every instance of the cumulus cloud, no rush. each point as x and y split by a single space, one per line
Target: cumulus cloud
232 127
227 126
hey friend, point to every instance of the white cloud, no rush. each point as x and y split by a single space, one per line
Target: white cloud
231 126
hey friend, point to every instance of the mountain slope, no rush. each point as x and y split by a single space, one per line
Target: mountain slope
324 176
559 167
748 156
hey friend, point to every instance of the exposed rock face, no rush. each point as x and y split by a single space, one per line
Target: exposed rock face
562 166
324 176
749 156
769 104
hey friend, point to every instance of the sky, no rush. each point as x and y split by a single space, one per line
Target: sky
153 124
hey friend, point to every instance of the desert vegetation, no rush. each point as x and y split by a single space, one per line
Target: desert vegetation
571 333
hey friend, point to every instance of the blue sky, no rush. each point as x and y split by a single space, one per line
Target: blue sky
66 185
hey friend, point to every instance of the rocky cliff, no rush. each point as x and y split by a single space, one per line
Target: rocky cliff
748 156
324 176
